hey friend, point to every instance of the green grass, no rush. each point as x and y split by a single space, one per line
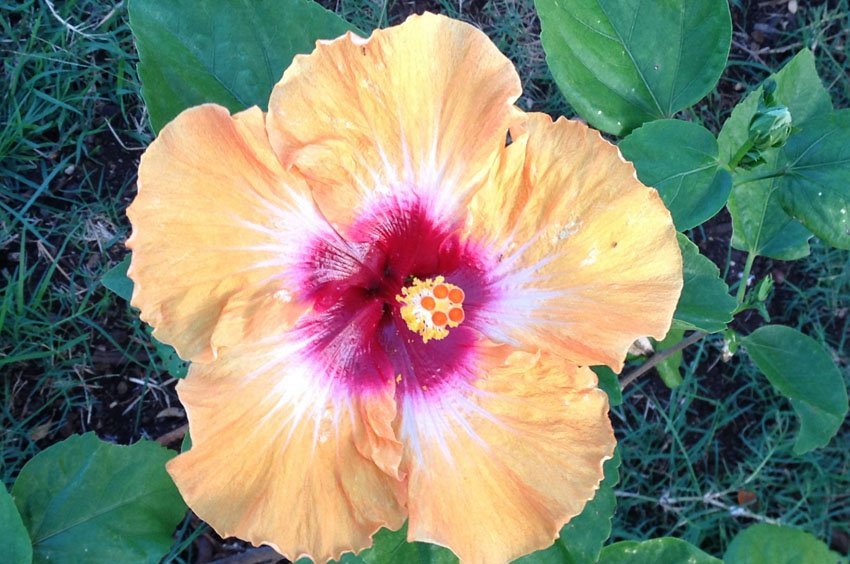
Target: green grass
688 452
74 357
62 198
511 24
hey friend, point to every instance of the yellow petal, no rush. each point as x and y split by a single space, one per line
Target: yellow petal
421 107
591 261
497 470
215 226
278 459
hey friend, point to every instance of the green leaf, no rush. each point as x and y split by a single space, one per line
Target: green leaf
186 443
116 279
620 63
16 546
816 186
761 226
582 538
705 303
759 223
768 544
229 53
655 551
84 500
668 369
736 129
798 87
392 546
171 361
679 159
609 382
585 534
800 369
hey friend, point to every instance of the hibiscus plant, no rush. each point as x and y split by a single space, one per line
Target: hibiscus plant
405 301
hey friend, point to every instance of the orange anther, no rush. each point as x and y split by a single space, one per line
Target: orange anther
431 307
439 318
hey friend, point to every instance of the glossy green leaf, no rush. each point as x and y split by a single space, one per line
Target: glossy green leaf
679 159
609 382
656 551
815 188
85 500
800 369
668 369
705 303
116 279
769 544
621 63
798 87
761 226
229 53
15 543
582 538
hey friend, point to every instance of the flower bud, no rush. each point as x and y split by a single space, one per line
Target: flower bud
764 287
770 127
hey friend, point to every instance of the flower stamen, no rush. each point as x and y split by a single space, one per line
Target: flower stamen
431 307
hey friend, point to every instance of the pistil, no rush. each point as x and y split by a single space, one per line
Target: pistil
431 307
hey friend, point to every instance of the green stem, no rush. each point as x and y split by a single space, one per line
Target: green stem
762 176
742 287
733 162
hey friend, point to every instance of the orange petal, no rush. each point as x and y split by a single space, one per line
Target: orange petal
277 459
496 471
215 224
376 437
423 106
591 261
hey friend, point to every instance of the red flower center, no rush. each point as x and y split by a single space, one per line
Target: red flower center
360 331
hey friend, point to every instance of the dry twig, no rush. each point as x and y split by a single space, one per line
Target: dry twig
173 436
660 356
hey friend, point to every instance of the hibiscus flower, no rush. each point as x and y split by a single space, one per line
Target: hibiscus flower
391 286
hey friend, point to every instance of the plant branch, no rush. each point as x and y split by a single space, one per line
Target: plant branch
659 357
678 504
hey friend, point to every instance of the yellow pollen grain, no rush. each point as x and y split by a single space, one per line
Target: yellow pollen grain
431 307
